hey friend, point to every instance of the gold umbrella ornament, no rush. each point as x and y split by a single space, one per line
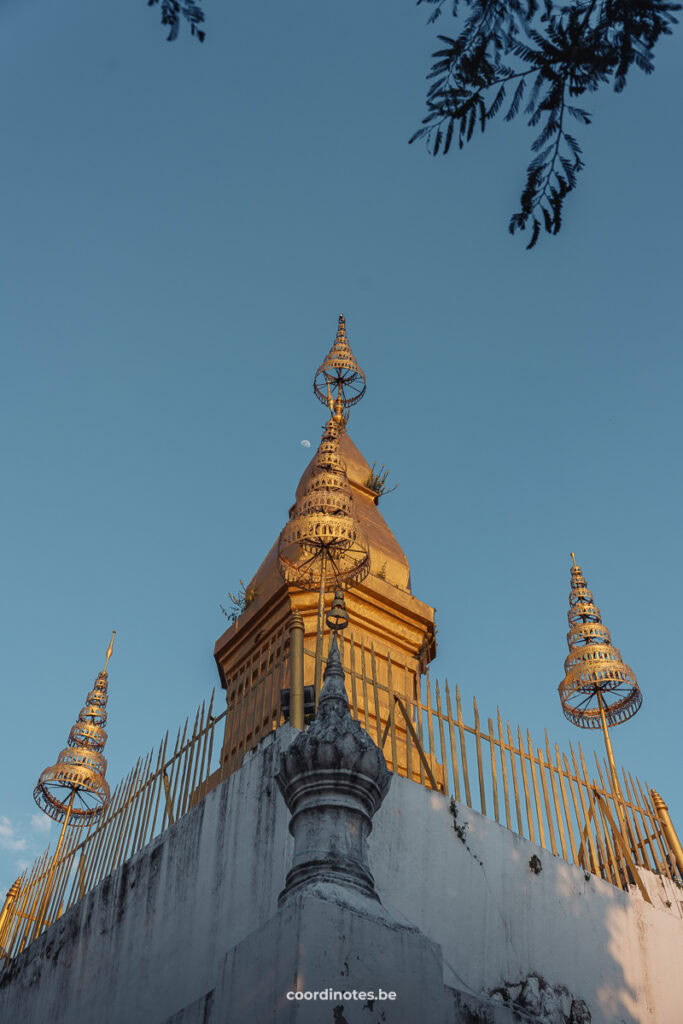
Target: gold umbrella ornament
74 790
599 690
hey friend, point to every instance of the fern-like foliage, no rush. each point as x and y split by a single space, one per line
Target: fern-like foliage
536 57
173 12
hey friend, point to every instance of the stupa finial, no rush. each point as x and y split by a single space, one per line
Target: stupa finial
74 789
110 650
340 372
599 690
596 680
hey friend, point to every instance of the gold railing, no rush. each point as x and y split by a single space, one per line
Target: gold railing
158 791
532 790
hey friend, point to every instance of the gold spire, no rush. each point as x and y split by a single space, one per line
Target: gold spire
13 890
341 371
322 543
597 682
74 789
5 913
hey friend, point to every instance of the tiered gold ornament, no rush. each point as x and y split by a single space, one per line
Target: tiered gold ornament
74 790
323 544
340 372
599 690
597 686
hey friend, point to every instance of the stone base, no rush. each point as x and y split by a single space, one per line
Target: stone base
329 941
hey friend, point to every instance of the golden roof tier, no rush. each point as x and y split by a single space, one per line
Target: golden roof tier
74 790
597 682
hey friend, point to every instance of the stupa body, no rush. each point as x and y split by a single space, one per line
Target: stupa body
385 614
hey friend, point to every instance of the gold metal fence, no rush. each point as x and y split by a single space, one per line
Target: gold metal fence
533 790
159 790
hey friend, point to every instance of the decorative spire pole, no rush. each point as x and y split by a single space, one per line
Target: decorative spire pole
74 790
333 778
322 545
340 371
599 690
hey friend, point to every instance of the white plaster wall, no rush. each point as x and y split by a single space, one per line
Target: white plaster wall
153 937
497 920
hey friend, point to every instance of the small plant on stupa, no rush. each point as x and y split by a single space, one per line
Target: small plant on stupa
377 481
239 602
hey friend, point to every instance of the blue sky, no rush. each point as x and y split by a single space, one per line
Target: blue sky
181 226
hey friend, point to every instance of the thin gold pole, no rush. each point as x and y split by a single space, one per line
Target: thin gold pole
53 867
319 636
616 792
296 692
668 829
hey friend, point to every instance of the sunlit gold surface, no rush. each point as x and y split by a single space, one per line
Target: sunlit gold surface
307 563
340 371
323 544
74 789
597 682
670 833
11 896
598 690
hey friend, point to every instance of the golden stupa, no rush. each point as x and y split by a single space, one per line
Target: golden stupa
360 554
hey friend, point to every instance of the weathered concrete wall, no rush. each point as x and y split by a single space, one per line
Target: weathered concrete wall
497 920
152 941
152 937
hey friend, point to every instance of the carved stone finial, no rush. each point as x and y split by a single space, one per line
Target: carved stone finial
333 778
